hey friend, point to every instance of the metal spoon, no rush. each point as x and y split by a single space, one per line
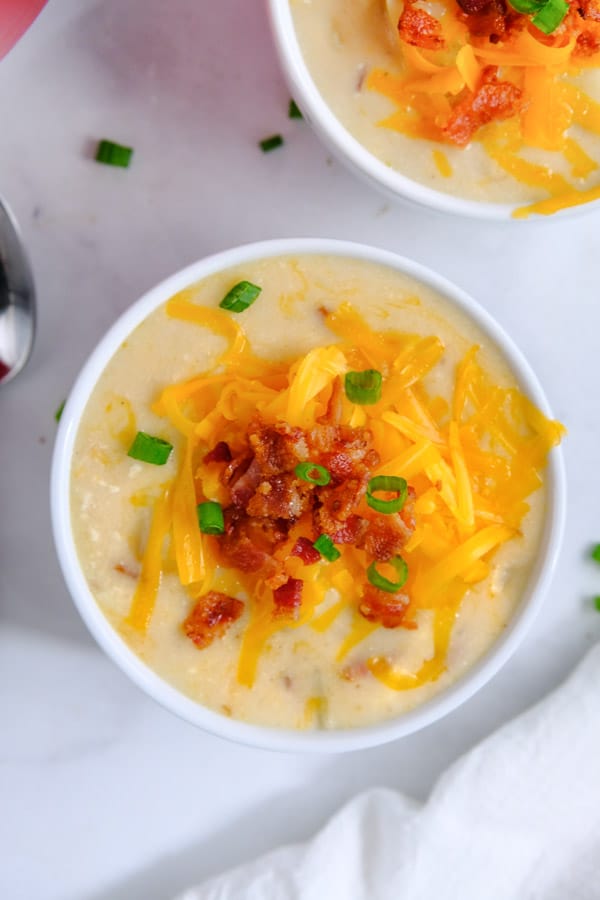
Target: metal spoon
17 299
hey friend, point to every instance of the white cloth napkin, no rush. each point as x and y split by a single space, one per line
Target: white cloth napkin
516 818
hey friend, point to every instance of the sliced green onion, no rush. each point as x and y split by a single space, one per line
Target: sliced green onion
527 6
550 15
596 553
313 473
270 143
241 296
384 584
387 483
150 449
597 603
59 411
326 548
363 387
114 154
294 112
210 517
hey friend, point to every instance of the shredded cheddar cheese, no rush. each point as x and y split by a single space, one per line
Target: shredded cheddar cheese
472 463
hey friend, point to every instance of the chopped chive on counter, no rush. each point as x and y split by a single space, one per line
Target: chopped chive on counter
597 603
270 143
326 548
240 297
150 449
294 112
114 154
390 483
59 411
384 584
210 517
596 553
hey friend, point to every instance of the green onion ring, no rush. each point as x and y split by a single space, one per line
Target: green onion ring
210 517
387 483
363 387
306 470
384 584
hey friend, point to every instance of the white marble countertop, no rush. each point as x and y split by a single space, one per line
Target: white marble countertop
103 793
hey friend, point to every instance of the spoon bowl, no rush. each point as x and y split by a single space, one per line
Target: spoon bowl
17 299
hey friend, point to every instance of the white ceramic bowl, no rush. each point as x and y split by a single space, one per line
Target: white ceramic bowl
146 678
354 155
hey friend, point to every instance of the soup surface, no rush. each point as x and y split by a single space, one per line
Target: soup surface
486 108
311 641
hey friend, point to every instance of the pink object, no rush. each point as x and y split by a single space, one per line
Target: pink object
15 18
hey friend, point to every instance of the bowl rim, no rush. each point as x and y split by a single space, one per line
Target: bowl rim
361 161
169 696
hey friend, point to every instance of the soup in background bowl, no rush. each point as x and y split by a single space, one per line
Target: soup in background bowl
304 494
468 108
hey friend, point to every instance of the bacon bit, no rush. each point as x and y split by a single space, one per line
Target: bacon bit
349 532
277 448
245 479
419 28
281 497
211 617
305 550
219 453
249 544
288 598
355 671
588 42
385 537
492 19
126 570
472 7
493 100
388 609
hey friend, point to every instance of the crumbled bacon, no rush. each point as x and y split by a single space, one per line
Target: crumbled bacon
493 100
244 481
277 448
419 28
303 548
386 535
266 497
387 609
288 598
350 531
219 453
211 617
280 497
249 543
493 19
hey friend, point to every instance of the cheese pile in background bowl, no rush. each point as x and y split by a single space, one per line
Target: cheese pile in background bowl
304 493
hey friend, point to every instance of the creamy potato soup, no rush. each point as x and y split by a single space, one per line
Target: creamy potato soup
308 492
465 96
